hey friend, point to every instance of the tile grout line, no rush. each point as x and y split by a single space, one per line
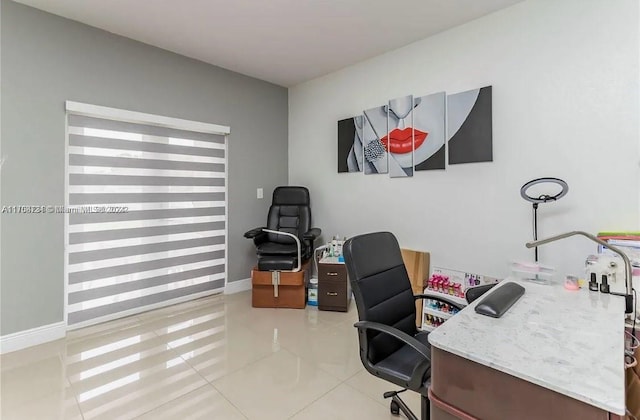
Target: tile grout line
154 335
323 370
234 371
180 396
366 395
63 362
314 401
207 382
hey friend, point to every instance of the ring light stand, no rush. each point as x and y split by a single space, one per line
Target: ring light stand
543 198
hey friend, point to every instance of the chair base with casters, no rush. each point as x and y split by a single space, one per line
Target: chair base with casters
398 405
391 347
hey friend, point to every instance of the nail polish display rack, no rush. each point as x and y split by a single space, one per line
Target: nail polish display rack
450 284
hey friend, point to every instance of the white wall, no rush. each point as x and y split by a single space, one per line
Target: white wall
565 104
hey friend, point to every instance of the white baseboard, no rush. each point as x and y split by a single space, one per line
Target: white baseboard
23 339
40 335
237 286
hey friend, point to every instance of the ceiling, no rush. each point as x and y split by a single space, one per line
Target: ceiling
285 42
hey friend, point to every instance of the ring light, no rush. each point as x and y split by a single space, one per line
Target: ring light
542 198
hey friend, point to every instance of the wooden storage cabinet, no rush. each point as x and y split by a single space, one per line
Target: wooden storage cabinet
334 290
291 292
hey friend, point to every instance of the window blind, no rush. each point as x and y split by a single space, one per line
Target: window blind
145 216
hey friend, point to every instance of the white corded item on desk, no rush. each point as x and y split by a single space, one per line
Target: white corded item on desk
612 267
335 246
315 258
533 271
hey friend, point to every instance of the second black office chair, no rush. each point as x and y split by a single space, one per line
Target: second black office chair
391 347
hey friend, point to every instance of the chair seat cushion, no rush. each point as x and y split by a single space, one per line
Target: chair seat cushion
401 363
273 248
277 263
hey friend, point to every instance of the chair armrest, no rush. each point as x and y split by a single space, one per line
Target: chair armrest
253 232
440 299
311 234
396 333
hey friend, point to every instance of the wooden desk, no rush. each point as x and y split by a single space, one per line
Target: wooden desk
462 389
555 354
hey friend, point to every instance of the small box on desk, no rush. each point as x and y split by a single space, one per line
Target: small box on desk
291 289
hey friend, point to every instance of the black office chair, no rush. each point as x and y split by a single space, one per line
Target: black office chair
391 347
287 240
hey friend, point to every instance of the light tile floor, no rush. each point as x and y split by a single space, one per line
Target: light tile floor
212 358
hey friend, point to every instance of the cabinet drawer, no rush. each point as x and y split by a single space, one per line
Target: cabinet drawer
332 272
333 295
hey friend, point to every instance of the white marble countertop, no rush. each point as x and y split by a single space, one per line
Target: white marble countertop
571 342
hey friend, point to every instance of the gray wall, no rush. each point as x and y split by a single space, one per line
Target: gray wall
47 60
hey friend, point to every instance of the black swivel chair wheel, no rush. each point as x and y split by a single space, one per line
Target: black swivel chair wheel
395 408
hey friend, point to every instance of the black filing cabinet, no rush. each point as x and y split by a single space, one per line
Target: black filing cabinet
334 290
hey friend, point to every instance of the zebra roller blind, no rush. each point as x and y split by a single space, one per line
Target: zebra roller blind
145 213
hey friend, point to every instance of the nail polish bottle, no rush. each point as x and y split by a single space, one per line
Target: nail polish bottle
604 286
593 284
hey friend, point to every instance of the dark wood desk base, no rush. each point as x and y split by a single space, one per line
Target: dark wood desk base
462 389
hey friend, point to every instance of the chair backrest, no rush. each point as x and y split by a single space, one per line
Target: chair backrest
290 212
381 288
